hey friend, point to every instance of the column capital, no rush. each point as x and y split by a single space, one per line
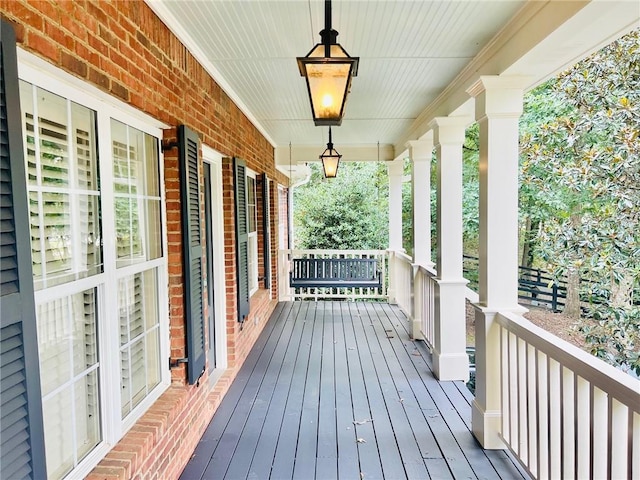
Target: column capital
497 82
396 167
498 97
450 130
421 150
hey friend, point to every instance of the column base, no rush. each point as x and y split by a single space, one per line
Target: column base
416 329
451 366
391 296
485 426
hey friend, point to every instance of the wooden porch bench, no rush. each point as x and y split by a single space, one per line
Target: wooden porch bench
335 273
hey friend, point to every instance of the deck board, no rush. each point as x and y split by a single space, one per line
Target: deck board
322 376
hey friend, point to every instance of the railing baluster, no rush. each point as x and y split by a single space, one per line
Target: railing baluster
634 446
583 428
619 439
568 423
542 415
555 417
523 430
531 418
599 438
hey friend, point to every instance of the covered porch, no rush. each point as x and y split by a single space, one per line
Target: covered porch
338 389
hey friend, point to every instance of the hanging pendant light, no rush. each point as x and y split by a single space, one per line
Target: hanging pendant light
328 69
330 160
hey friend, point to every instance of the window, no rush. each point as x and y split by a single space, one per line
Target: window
99 268
252 222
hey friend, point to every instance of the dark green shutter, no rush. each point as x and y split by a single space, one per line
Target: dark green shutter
192 250
266 230
21 428
242 237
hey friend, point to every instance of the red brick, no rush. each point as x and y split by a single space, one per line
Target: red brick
73 64
42 45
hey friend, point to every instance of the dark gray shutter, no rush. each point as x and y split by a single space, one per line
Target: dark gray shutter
189 161
242 237
21 428
266 202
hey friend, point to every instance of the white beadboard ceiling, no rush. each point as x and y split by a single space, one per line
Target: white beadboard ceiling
409 50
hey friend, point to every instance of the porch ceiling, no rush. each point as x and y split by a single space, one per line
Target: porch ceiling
417 58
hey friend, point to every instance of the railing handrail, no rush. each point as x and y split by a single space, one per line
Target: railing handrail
318 251
428 270
602 375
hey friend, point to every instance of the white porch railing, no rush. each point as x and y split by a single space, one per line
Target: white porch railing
565 413
286 293
401 281
425 285
413 287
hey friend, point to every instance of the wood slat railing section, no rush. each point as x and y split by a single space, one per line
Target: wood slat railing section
401 281
424 300
565 413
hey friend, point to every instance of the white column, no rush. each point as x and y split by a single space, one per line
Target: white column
420 154
498 107
395 170
450 359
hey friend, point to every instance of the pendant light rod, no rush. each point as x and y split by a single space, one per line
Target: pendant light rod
327 28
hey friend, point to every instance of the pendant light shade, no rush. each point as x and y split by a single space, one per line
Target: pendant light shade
330 160
328 69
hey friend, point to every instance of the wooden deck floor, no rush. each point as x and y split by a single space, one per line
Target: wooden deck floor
338 390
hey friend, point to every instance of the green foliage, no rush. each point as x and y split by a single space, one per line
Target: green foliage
614 335
580 184
346 212
470 188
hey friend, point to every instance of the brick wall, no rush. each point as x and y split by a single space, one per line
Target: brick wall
122 48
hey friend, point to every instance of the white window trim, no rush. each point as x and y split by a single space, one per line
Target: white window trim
40 73
214 158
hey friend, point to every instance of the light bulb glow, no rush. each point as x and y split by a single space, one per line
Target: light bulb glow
327 100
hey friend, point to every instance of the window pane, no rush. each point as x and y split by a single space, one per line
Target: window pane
152 168
154 228
252 262
58 433
137 200
54 333
87 413
125 375
153 359
139 347
84 140
84 335
251 204
53 139
138 381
